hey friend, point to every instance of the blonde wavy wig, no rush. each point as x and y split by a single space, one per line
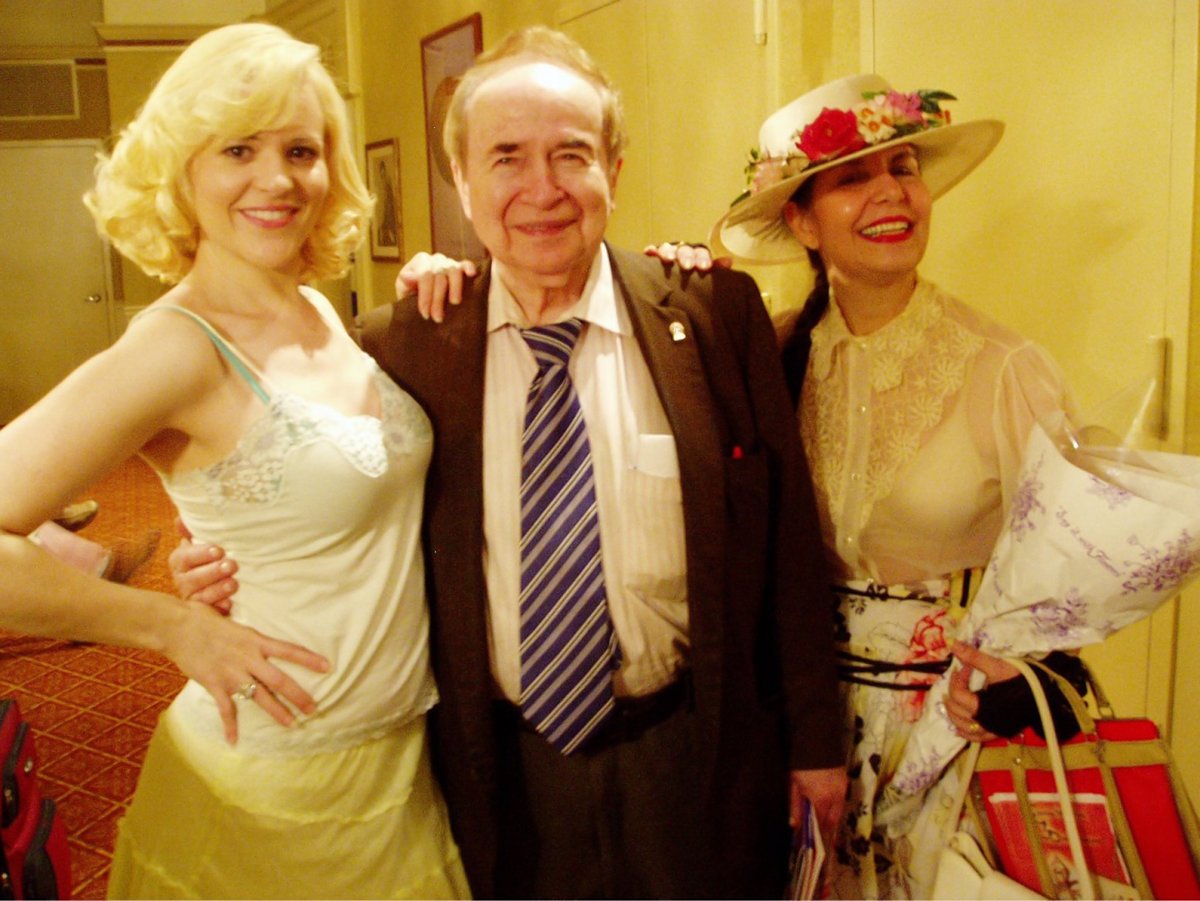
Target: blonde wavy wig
231 82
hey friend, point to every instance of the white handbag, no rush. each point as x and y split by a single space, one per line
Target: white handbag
963 870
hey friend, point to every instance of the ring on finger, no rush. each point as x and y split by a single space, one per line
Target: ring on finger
245 692
974 728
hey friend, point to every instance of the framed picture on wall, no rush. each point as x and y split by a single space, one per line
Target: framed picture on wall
445 55
383 180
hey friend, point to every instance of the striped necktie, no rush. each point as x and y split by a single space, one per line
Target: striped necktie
568 648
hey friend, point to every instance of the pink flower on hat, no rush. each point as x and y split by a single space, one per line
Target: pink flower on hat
767 172
905 107
828 125
831 134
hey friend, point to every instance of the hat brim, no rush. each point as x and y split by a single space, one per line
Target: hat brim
753 230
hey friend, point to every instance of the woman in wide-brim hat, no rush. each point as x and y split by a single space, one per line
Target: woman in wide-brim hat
835 124
914 410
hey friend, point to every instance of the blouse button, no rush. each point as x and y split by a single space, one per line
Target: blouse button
862 408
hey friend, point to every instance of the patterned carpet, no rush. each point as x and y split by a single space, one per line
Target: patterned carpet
93 708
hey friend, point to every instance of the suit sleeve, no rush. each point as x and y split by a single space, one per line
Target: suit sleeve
800 602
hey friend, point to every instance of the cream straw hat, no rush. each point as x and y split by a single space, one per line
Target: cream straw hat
837 122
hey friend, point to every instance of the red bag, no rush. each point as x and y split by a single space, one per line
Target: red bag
1136 824
35 858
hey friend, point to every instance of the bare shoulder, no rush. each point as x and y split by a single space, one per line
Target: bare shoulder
323 306
104 412
171 347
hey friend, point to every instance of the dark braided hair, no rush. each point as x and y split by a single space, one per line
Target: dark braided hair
794 351
817 301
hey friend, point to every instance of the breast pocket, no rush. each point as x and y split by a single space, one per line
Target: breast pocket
652 522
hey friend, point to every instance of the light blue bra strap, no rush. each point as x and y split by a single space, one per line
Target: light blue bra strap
232 356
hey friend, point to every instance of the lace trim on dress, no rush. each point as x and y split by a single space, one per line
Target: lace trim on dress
253 473
918 362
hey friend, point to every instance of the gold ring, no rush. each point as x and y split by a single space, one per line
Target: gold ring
974 728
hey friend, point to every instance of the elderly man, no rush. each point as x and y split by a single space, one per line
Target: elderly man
631 630
703 670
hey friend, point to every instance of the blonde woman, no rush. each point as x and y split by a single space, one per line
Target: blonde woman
274 435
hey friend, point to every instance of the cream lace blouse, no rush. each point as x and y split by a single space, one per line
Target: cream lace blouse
914 434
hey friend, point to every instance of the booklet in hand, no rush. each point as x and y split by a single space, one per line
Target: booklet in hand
808 857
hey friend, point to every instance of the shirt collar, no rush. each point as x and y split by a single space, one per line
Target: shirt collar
897 338
596 305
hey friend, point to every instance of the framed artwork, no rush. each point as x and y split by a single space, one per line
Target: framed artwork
383 180
445 55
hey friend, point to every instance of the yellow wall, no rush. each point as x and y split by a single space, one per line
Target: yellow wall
393 99
665 76
1185 723
815 42
1191 439
93 112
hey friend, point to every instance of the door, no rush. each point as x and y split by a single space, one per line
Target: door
684 122
56 311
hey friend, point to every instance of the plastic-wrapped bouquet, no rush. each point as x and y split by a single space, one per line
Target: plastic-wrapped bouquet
1097 537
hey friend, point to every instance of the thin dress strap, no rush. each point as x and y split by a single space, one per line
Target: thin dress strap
237 360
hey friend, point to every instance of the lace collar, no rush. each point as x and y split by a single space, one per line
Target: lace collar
891 346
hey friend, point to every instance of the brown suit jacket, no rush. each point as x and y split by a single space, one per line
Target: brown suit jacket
765 694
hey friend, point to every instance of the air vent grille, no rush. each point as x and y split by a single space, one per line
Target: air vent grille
38 89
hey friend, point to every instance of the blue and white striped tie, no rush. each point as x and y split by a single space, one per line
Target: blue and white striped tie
568 648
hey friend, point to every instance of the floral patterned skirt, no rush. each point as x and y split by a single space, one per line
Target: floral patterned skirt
893 642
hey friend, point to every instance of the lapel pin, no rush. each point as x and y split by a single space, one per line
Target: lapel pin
677 332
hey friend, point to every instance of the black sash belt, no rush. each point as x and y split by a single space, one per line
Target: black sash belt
853 668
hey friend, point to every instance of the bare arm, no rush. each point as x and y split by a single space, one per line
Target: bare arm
98 417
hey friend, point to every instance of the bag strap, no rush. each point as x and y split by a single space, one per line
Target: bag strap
1116 807
1103 704
1112 756
1086 885
967 769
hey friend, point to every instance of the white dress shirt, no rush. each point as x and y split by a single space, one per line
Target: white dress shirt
637 485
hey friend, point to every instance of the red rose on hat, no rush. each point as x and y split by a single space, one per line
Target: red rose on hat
831 134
